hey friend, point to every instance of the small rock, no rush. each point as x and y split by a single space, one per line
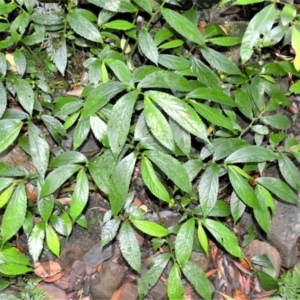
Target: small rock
79 267
201 260
126 291
107 281
98 254
257 247
54 292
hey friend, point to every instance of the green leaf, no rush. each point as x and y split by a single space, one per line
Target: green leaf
36 240
69 157
213 115
198 279
262 215
13 269
101 170
13 255
208 188
45 207
211 94
47 19
257 28
129 246
56 178
278 188
3 99
289 171
120 69
152 276
81 132
119 24
100 96
182 137
119 121
6 194
52 240
226 41
150 228
82 26
183 26
20 61
167 80
54 126
120 181
39 149
219 61
244 103
251 154
172 168
147 45
295 46
295 88
267 282
172 44
7 170
237 207
242 187
7 8
60 57
115 6
205 74
145 4
25 94
14 214
180 112
109 231
99 127
224 236
277 121
202 237
184 242
80 195
288 14
152 182
10 130
174 287
173 62
158 125
221 209
163 34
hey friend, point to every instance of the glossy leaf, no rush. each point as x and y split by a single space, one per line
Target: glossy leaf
213 115
220 61
224 236
150 228
69 157
183 25
109 231
237 207
25 93
55 127
115 6
99 127
167 80
262 215
6 194
152 275
83 26
244 103
251 154
3 99
242 188
158 125
180 112
120 181
81 132
45 207
278 188
39 149
288 14
182 138
202 237
277 121
147 45
211 94
80 195
10 130
52 240
119 24
295 45
174 287
145 4
56 178
119 121
20 61
267 282
173 62
120 69
184 242
60 57
198 279
172 168
129 246
14 214
100 96
289 171
152 181
193 167
208 188
223 147
258 27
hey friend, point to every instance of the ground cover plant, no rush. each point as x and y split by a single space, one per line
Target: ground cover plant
169 111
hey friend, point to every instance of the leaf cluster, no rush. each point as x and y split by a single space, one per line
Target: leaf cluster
162 101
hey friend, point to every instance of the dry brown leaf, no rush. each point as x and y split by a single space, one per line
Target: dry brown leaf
238 295
47 268
54 277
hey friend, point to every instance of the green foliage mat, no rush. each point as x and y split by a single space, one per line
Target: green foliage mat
168 110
